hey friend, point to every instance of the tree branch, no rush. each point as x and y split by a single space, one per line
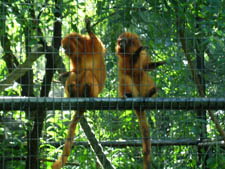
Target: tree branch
106 164
20 70
34 135
195 76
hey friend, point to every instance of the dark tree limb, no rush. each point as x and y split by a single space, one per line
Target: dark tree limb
106 164
26 80
33 160
21 69
9 57
181 31
203 152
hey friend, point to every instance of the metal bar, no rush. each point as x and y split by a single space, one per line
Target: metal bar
47 103
138 143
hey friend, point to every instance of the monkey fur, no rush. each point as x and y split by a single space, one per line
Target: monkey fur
85 79
134 81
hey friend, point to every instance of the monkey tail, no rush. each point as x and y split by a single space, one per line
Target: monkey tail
146 142
69 141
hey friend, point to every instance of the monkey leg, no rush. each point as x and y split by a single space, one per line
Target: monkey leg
71 86
147 86
146 142
69 141
89 84
127 87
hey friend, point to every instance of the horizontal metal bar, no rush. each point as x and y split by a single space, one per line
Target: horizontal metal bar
138 143
47 103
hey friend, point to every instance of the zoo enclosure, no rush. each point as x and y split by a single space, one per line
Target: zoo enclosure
192 45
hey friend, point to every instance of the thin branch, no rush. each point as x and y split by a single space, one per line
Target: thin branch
102 19
20 70
106 164
41 159
67 164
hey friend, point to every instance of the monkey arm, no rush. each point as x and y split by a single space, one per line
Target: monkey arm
136 55
153 65
149 66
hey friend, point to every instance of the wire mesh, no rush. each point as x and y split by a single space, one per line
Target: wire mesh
186 118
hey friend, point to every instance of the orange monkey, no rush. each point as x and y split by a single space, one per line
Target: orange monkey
85 79
134 80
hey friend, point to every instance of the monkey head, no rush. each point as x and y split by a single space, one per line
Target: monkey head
127 44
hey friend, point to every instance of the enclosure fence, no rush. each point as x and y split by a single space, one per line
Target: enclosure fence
138 84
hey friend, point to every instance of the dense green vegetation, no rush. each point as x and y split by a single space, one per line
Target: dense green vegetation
173 31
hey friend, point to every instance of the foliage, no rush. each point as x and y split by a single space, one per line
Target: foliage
158 23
